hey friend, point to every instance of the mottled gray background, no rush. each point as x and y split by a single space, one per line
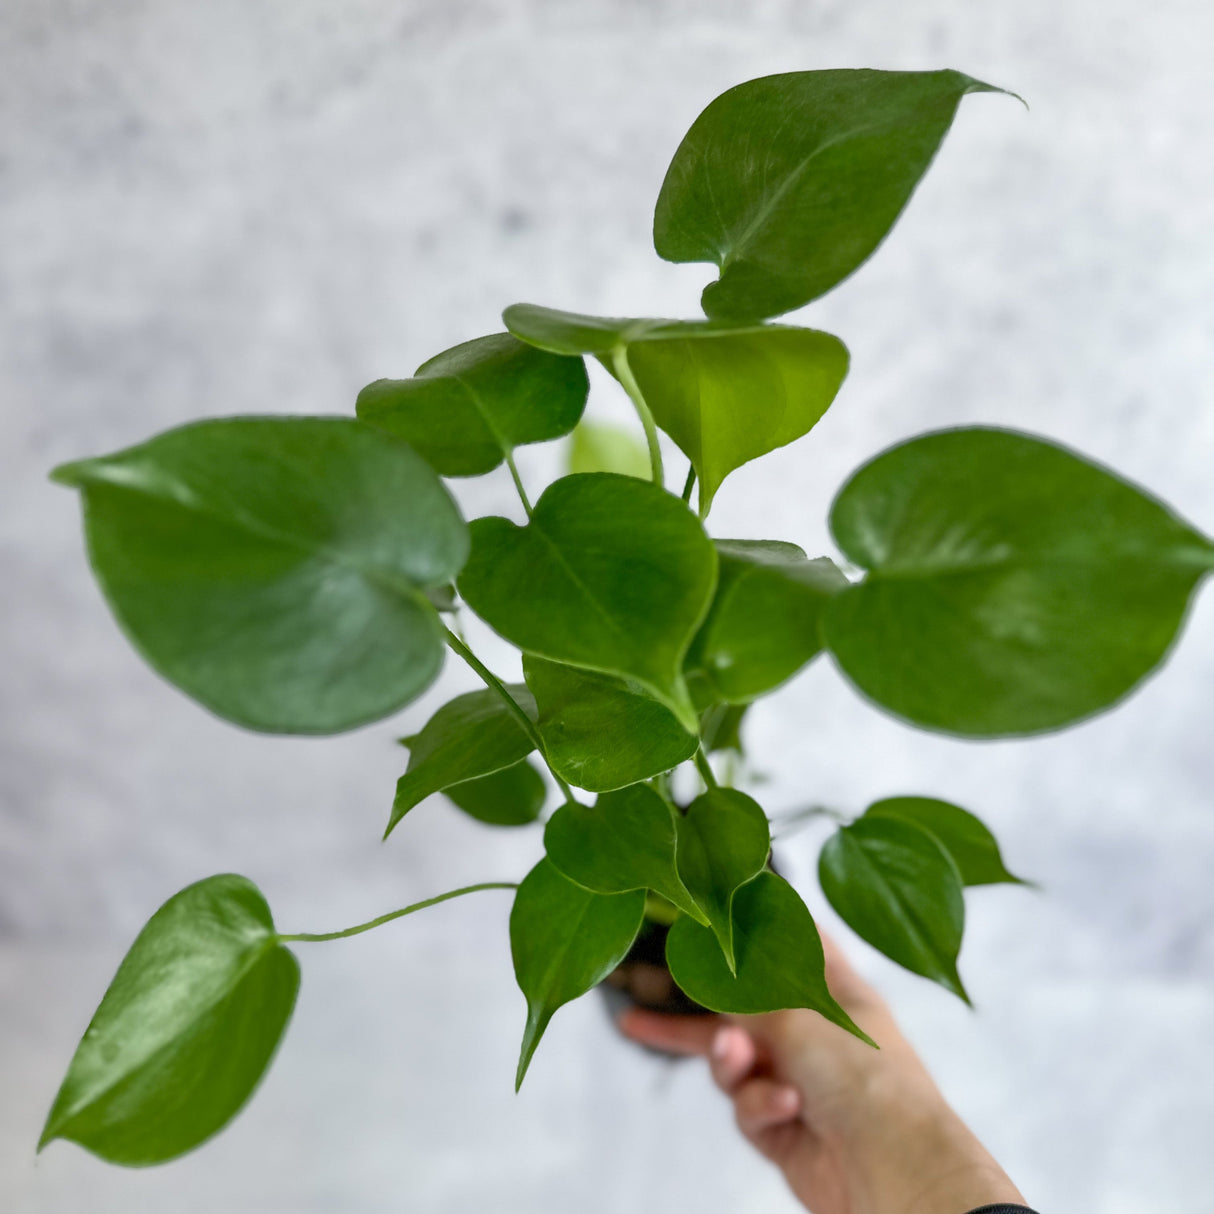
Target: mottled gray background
220 207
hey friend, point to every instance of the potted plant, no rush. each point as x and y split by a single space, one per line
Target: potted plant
306 575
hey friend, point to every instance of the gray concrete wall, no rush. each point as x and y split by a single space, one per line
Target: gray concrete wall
232 207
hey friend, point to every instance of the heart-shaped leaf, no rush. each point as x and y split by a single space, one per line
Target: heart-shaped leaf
513 796
626 840
788 183
779 957
471 736
1013 586
725 394
599 733
611 574
565 940
965 837
764 622
469 407
185 1031
723 840
275 569
894 885
599 448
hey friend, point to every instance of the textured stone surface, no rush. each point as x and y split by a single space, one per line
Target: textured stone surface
222 207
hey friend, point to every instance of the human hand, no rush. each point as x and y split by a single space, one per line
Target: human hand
854 1130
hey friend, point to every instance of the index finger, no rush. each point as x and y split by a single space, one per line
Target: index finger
677 1034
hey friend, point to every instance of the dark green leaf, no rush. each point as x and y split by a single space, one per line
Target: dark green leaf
764 623
469 407
275 569
626 840
721 727
599 448
724 840
1014 587
788 183
473 735
611 574
895 886
513 796
965 837
779 954
565 940
726 394
185 1031
599 732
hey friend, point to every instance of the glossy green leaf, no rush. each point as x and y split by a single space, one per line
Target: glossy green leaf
788 183
779 957
723 840
965 837
721 728
1013 586
473 735
565 940
513 796
726 394
764 622
185 1031
599 732
611 574
894 885
600 448
468 408
626 840
275 569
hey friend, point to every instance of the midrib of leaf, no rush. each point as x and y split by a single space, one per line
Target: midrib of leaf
479 405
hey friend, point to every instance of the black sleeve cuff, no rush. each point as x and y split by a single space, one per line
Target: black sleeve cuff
1003 1208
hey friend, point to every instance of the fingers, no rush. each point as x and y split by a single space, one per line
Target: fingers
761 1104
678 1034
731 1057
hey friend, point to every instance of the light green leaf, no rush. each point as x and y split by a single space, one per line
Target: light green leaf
599 448
764 623
894 885
185 1031
721 728
473 735
599 732
611 574
1013 586
276 569
626 840
779 957
788 183
565 940
723 840
469 407
726 394
965 837
513 796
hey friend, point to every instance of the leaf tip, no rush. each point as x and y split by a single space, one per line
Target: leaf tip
70 474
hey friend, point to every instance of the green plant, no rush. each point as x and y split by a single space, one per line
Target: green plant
303 575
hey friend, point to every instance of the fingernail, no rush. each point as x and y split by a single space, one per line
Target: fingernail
720 1045
786 1100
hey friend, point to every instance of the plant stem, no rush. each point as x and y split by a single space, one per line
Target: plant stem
619 360
518 482
689 483
705 769
494 683
312 938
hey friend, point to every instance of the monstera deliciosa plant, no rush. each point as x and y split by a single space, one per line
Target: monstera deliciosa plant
305 575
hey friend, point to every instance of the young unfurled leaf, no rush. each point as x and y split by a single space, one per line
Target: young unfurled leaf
894 885
764 622
469 407
599 448
599 733
779 957
565 940
723 840
275 569
721 727
611 574
471 736
1013 586
185 1031
513 796
788 183
626 840
725 394
965 837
